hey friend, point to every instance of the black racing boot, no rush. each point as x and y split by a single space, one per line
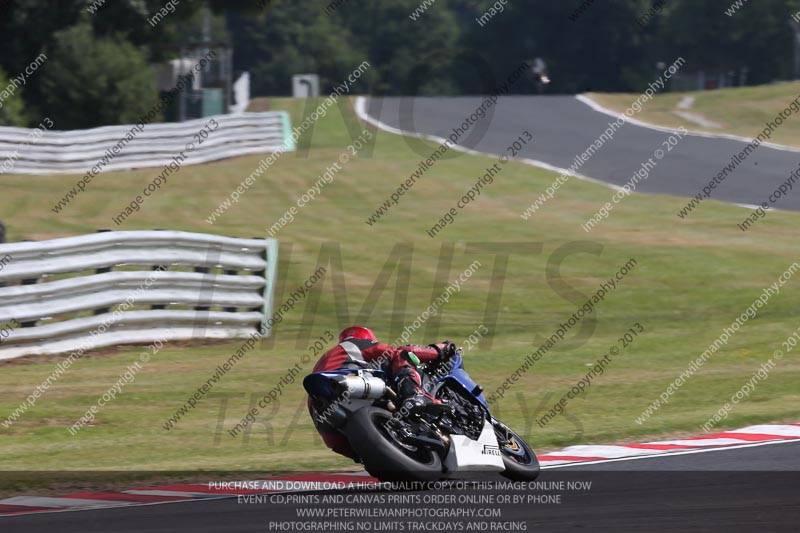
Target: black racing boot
414 399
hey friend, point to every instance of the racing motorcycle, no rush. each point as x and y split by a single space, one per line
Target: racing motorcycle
395 443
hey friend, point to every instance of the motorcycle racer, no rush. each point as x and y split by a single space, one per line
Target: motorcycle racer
359 348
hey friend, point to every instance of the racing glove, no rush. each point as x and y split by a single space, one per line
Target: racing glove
445 349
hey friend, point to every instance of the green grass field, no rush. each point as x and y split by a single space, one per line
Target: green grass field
741 111
692 279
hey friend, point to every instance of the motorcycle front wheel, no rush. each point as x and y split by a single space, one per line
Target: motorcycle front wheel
518 458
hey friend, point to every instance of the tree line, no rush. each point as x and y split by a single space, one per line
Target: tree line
99 53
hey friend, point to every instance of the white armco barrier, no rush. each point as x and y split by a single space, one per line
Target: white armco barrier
128 287
153 145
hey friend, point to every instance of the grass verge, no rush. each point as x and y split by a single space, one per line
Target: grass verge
691 280
742 111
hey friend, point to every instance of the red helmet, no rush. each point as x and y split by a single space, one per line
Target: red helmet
357 332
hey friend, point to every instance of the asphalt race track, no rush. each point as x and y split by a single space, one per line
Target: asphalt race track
740 489
564 127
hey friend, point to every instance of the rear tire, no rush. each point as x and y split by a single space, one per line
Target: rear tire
383 456
520 461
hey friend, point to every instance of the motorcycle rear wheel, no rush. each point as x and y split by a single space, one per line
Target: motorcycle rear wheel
384 454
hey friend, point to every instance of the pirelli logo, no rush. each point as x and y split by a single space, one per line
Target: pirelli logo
488 449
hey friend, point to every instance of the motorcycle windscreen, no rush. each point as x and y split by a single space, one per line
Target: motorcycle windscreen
482 455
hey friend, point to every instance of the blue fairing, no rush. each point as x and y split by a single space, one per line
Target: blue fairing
460 375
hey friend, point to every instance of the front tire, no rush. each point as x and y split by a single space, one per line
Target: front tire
384 455
520 461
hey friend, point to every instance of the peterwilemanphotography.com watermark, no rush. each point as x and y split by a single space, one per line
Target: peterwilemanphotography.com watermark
587 308
62 367
641 174
737 159
306 125
599 368
17 82
448 145
173 167
604 138
740 395
126 378
183 83
727 333
295 297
